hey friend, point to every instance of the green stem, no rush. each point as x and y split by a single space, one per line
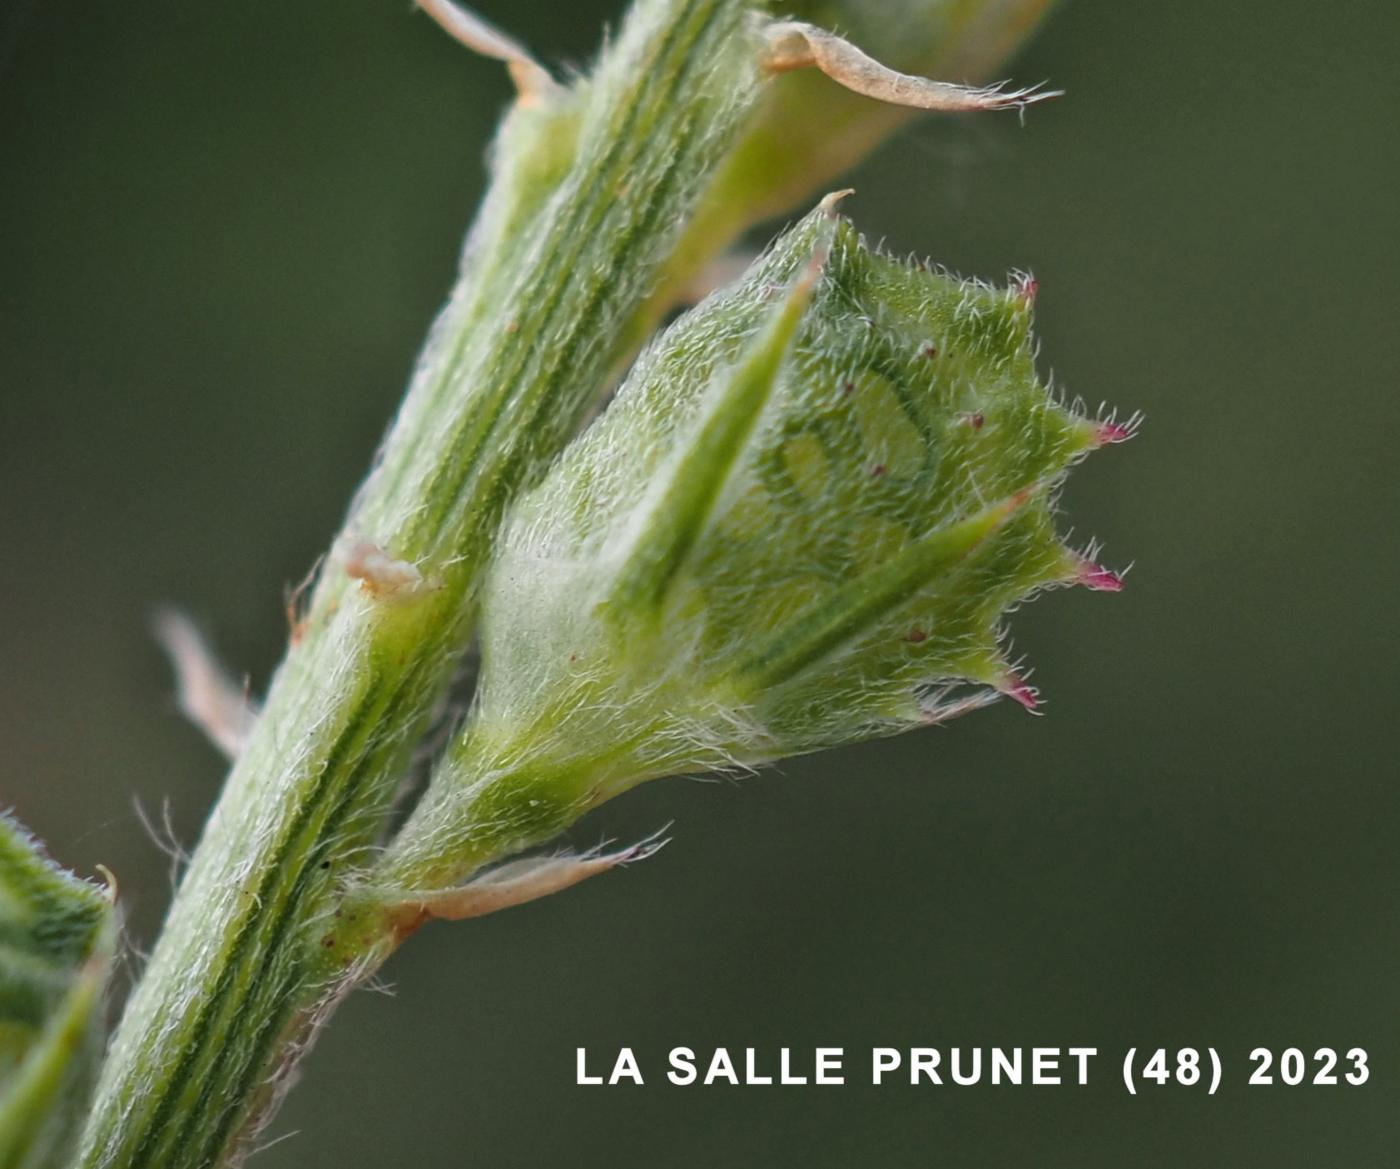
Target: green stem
606 195
507 377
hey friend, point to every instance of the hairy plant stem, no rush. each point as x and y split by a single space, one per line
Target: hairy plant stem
510 371
607 196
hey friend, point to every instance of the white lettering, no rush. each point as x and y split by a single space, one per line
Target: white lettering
721 1066
1045 1065
1002 1066
961 1077
882 1059
582 1076
829 1065
787 1076
625 1068
924 1061
751 1075
682 1065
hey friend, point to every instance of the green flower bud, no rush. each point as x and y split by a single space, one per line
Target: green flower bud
799 524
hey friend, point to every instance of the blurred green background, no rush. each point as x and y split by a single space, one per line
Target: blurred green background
223 231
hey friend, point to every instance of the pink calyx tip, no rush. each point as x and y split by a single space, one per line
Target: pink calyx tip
1019 690
1100 579
1111 432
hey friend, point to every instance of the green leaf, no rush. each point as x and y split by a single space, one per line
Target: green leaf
56 939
